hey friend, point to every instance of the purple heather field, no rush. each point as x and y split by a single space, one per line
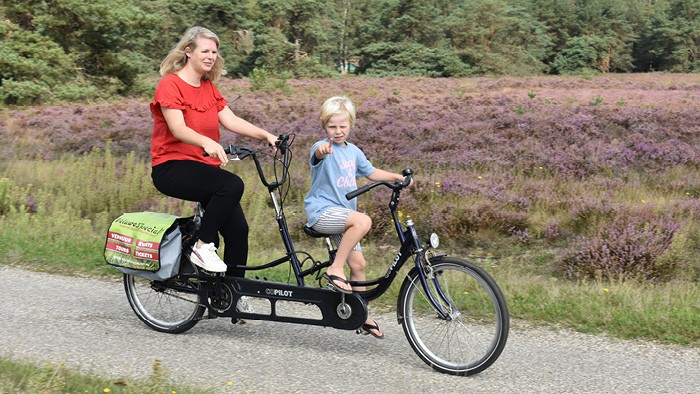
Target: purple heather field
513 145
570 126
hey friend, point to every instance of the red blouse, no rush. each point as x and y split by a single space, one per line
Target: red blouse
200 106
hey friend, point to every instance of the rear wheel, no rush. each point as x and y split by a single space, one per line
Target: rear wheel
172 306
475 332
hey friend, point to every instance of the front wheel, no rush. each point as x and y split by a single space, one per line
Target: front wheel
172 306
473 335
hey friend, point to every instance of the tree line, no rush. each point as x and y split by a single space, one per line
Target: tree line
65 50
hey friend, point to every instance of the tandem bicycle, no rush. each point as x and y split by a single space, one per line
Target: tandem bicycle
452 312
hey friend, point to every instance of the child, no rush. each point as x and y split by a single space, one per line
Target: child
335 166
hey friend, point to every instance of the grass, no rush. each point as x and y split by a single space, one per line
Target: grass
667 312
55 215
28 377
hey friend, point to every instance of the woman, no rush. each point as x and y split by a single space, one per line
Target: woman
187 111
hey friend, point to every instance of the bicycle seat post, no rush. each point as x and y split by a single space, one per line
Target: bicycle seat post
329 244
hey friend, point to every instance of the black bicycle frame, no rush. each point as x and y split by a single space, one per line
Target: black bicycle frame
410 243
410 246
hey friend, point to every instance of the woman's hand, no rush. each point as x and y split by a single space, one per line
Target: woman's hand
215 150
272 141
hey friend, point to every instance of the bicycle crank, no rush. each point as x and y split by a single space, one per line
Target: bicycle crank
343 309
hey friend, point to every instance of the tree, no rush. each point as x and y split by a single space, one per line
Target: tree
292 36
106 37
603 22
558 18
31 65
411 59
670 41
581 54
498 38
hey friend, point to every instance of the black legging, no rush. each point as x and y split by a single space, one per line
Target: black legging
220 193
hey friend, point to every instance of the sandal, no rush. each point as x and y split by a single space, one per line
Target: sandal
331 283
367 328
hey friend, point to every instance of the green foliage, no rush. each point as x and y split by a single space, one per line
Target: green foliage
581 54
411 59
106 41
670 38
609 28
106 48
497 37
23 92
31 65
28 55
264 79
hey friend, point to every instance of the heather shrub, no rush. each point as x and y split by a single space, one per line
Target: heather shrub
587 212
555 168
552 231
460 222
628 247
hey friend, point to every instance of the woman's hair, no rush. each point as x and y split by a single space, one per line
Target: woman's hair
177 58
337 105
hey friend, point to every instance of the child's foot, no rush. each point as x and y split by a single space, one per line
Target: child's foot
371 328
338 283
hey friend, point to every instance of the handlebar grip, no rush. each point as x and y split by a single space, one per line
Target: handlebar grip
227 150
282 143
396 186
365 188
354 194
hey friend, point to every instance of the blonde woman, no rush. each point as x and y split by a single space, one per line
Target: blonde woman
188 111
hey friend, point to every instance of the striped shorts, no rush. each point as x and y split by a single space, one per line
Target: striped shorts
332 222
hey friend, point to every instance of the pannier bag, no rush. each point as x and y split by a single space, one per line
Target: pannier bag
146 244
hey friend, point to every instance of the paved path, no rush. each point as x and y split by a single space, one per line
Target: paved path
86 324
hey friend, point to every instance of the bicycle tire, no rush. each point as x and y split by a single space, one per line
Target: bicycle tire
477 331
171 306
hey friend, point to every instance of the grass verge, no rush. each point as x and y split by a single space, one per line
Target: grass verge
20 377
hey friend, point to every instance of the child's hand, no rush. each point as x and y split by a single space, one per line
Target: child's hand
325 149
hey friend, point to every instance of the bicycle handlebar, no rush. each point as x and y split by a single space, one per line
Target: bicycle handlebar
395 186
282 145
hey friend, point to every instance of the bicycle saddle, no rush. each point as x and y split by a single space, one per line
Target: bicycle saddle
313 233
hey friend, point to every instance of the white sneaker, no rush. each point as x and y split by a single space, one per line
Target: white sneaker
243 305
207 258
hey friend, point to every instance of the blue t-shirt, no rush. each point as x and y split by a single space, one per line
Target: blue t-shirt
333 177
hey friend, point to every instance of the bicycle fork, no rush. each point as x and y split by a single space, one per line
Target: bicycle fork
426 273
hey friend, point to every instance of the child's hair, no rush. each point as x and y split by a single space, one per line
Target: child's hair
337 105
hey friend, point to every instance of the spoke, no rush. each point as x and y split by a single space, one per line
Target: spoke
469 339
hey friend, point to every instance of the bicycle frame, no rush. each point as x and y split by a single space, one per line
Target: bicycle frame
410 246
468 335
408 238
